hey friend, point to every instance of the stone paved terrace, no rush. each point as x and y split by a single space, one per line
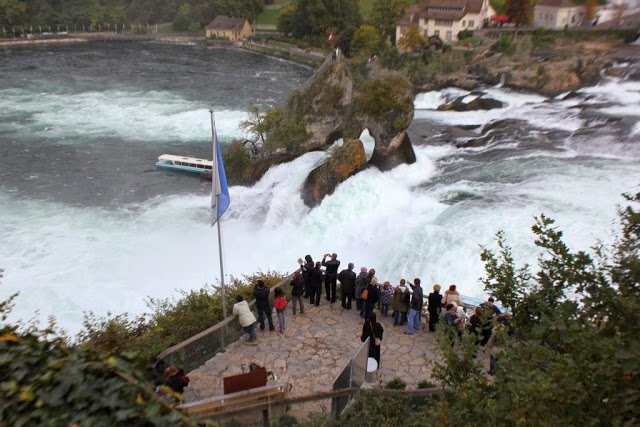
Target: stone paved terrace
314 349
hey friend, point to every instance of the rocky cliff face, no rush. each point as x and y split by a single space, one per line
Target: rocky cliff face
323 105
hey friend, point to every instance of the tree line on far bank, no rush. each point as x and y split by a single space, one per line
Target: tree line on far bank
92 15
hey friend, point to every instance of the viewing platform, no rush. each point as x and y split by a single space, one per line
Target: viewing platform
314 349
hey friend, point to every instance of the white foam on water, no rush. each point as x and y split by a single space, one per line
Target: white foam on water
135 116
67 260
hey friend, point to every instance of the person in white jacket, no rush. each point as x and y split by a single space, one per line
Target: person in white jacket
246 317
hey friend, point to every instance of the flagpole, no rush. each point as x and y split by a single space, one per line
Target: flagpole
215 183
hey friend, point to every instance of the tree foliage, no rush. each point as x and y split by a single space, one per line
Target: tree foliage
575 359
520 12
412 40
316 19
46 381
103 14
385 14
284 24
365 43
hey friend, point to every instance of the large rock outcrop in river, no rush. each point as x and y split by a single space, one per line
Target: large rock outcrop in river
329 107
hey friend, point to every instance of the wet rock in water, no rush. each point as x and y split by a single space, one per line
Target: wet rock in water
345 162
398 151
479 103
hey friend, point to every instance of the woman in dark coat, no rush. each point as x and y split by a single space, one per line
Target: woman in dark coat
435 301
372 330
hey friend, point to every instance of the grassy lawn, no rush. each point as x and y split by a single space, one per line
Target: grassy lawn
268 17
498 5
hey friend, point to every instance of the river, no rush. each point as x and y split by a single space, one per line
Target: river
87 223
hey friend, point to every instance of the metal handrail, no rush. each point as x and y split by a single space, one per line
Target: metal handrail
218 327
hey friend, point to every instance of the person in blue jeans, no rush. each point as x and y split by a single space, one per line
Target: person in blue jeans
246 318
415 307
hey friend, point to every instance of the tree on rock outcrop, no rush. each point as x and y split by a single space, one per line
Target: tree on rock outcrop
365 43
384 106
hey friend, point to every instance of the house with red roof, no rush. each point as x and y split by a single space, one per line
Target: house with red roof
446 18
226 27
557 14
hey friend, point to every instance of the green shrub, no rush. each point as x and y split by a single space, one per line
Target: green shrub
47 381
465 34
543 39
503 44
171 321
396 384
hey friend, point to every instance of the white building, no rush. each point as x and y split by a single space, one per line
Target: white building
557 14
446 18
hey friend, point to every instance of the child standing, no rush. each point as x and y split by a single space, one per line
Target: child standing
280 302
385 300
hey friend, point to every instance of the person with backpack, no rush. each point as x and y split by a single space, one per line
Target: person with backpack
297 291
400 303
415 308
280 303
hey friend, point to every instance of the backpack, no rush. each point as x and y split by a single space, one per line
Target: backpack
280 303
365 294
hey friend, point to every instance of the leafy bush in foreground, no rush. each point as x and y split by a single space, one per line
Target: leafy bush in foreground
44 381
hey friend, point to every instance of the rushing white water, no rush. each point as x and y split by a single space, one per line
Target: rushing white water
422 220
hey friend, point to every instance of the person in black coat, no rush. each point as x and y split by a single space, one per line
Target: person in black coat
347 278
176 379
434 302
315 284
373 293
297 291
330 276
372 330
261 293
307 266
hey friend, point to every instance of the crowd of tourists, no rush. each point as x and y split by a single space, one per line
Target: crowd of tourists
403 303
